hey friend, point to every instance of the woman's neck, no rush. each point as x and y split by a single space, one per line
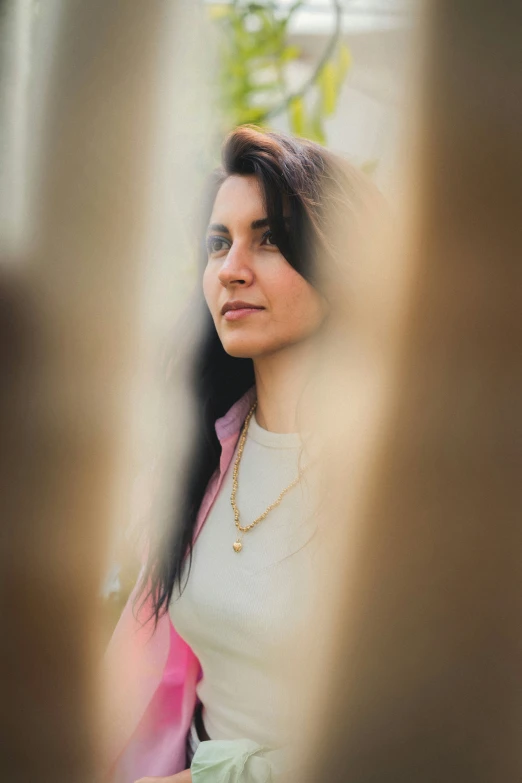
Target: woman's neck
280 381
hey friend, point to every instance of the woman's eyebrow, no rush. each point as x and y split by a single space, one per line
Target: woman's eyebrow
261 223
255 224
218 227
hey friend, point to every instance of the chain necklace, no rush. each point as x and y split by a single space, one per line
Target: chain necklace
238 545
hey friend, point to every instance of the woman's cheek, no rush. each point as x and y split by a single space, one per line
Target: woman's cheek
209 290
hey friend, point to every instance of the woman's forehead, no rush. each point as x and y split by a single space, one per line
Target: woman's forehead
238 200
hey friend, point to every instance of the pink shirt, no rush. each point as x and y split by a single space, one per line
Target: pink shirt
151 676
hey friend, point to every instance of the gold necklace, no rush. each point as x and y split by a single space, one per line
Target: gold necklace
237 545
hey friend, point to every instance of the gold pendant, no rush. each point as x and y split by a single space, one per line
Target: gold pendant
238 546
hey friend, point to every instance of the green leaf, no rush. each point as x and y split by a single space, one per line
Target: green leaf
218 11
290 53
328 86
252 115
296 111
345 61
370 166
317 132
315 129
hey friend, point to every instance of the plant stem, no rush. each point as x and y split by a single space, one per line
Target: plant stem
329 49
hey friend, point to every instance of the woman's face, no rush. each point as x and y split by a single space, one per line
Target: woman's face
273 307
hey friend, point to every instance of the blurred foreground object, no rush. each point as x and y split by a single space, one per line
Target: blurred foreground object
72 334
428 666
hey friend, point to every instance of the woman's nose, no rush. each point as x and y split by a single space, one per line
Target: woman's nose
237 267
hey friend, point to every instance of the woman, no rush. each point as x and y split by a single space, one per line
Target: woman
228 591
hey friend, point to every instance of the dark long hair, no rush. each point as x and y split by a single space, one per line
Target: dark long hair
310 185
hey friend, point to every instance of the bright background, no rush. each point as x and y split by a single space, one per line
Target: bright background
361 88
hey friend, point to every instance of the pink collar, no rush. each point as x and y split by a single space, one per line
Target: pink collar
231 422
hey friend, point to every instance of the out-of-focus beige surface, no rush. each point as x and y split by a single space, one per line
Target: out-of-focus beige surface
87 295
425 418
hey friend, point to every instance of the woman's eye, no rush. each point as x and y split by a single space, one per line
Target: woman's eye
268 239
217 244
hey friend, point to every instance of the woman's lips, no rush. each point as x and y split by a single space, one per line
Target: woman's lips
235 315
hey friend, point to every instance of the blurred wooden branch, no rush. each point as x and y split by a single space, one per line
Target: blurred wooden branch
427 681
70 324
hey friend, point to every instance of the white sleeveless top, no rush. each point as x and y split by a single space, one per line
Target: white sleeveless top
243 613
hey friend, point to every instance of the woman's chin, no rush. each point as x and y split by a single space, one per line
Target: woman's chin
240 353
244 349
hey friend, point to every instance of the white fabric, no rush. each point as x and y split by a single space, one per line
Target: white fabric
242 612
